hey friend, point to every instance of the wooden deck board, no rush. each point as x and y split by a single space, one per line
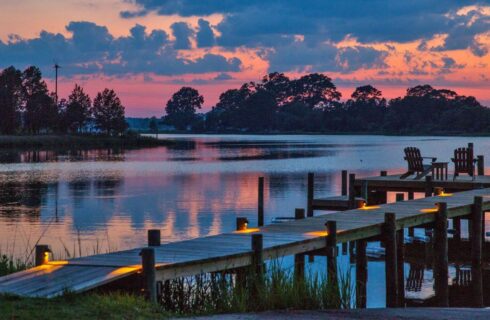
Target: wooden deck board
230 249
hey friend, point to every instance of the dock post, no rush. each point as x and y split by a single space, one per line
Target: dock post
428 186
400 261
361 273
149 273
260 211
441 256
480 165
381 196
41 257
411 230
344 182
352 191
365 192
299 258
256 278
389 230
331 246
154 238
476 252
457 229
310 192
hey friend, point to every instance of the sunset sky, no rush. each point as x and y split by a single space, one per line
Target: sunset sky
148 49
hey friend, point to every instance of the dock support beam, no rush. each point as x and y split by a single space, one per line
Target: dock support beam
411 230
428 186
400 261
476 252
310 192
352 191
331 246
344 183
441 256
389 230
260 209
361 273
480 164
148 266
299 259
256 278
154 238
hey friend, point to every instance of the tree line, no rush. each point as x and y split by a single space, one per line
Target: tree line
26 106
312 103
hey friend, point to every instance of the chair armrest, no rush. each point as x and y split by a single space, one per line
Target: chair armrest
433 158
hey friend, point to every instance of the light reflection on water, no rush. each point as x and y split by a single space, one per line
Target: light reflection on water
99 200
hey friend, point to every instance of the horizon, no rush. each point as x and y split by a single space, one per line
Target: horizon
147 50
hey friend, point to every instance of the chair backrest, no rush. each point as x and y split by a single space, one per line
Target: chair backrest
414 159
463 160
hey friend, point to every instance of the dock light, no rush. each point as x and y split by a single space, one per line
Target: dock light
42 254
431 210
440 192
241 224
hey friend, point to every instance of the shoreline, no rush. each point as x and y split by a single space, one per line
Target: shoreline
54 141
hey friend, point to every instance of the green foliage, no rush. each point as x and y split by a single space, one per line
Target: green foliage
181 108
10 265
77 111
108 113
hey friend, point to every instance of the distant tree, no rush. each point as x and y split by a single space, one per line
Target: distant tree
257 113
77 110
315 90
10 100
365 110
279 86
41 112
153 126
108 113
181 108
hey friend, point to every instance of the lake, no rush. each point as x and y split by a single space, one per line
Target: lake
85 202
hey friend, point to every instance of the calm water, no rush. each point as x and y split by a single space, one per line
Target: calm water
81 202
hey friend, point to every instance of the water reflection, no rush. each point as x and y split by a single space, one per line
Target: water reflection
87 201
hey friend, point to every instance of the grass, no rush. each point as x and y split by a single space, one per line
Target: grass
8 265
53 141
90 306
217 293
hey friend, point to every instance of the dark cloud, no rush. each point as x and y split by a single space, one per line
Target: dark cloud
92 49
182 33
249 22
204 35
323 57
223 76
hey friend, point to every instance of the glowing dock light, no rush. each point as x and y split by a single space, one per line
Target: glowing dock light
42 254
241 224
440 192
430 210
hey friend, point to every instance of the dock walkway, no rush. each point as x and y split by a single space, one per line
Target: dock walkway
231 250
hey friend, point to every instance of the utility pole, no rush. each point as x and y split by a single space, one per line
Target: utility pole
56 67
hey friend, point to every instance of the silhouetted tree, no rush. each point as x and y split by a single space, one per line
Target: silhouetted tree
77 111
108 113
10 100
365 110
181 108
315 90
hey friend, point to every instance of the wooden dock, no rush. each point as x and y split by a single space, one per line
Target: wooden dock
233 250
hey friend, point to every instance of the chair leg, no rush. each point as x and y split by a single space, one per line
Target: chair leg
423 174
406 174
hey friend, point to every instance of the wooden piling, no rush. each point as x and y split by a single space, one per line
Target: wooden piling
344 182
361 273
257 254
411 230
389 237
149 273
260 209
457 229
154 238
383 173
310 193
480 164
352 191
41 253
428 186
441 256
364 192
299 259
476 252
400 261
331 248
